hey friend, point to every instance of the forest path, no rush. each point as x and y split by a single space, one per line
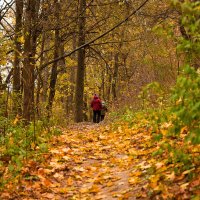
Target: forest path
89 161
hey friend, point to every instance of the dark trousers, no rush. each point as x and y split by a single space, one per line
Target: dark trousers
102 117
96 116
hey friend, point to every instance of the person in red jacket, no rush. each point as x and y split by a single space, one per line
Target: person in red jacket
96 106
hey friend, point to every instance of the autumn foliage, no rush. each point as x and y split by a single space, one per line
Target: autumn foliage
141 58
121 160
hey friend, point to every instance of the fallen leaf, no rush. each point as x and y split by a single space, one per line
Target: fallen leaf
64 190
133 180
184 186
84 190
58 176
48 195
171 176
70 181
195 183
94 189
159 165
46 182
109 184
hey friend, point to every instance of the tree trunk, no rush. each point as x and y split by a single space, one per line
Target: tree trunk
1 84
115 76
39 78
81 64
28 68
54 71
103 83
30 35
109 87
72 72
45 72
18 53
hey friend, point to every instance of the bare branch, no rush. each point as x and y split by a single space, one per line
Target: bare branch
97 38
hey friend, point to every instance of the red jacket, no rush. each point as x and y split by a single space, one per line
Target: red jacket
96 103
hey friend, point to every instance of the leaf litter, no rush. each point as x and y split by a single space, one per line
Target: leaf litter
99 162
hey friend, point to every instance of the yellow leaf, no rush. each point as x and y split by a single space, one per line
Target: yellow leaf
33 146
155 178
159 165
48 196
184 186
48 171
120 129
58 176
84 190
154 181
109 184
63 190
133 180
78 177
91 180
66 150
94 189
184 130
67 158
136 173
143 166
3 62
21 39
16 120
46 182
91 168
100 197
70 181
79 169
188 171
171 176
164 132
54 151
133 151
107 177
102 137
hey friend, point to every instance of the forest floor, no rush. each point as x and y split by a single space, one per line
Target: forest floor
96 161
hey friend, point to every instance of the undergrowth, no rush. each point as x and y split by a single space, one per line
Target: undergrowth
20 143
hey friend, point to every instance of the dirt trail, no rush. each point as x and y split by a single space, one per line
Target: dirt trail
88 161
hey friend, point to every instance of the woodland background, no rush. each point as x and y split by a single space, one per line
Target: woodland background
141 57
116 66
